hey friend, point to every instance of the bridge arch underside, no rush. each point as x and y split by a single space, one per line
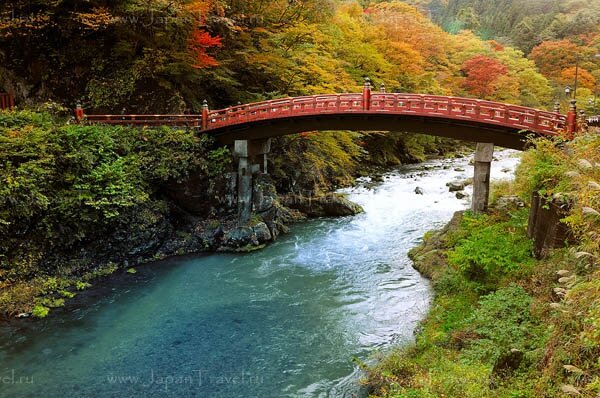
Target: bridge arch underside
465 130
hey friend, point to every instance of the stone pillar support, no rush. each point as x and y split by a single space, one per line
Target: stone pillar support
481 179
244 181
258 151
251 156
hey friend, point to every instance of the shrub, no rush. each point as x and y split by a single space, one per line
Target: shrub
39 311
504 321
488 249
61 184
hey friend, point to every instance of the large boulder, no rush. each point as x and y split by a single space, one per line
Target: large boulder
264 195
202 197
241 238
333 205
262 233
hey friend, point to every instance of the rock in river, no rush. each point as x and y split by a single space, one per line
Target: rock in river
456 186
332 205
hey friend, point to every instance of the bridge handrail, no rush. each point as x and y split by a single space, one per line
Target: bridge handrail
477 110
146 120
136 117
394 104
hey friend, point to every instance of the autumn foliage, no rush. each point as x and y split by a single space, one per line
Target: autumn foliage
482 75
552 57
584 78
200 42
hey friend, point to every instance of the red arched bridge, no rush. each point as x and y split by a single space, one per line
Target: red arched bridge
461 118
250 126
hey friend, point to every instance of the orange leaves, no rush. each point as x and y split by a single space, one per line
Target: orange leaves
584 78
307 134
199 9
482 75
199 43
496 46
552 57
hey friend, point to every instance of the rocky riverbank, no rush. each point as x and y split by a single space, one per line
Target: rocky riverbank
175 232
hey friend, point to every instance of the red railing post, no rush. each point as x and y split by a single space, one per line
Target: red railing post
366 97
572 119
204 115
7 100
79 113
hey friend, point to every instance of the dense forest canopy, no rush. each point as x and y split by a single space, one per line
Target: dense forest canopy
523 24
557 35
170 55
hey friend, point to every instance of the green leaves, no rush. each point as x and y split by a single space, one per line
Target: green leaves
63 182
503 322
491 249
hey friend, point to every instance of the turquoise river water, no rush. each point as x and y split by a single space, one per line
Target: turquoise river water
283 322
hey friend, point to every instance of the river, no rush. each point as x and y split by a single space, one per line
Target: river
286 321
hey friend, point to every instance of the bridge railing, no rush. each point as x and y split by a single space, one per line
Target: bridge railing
487 112
286 107
7 101
147 120
396 104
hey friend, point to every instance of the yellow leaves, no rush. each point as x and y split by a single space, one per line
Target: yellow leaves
29 22
260 30
99 18
199 9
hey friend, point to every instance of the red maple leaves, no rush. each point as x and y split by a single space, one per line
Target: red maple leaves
482 74
199 43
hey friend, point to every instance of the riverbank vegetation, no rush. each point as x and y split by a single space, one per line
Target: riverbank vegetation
503 324
71 189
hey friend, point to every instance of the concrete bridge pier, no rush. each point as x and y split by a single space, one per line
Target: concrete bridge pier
481 178
252 158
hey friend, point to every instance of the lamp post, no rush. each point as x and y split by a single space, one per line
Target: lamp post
597 56
577 75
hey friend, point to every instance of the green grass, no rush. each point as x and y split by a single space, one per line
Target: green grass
475 318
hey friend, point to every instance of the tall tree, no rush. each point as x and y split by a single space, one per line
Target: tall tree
482 75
